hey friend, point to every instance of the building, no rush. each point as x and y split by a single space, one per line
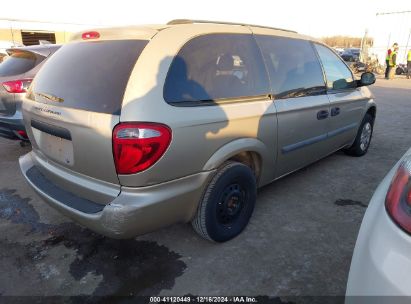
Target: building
31 32
387 29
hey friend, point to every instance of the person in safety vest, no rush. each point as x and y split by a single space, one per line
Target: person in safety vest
387 60
409 64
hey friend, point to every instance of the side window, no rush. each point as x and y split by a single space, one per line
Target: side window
337 73
216 66
293 66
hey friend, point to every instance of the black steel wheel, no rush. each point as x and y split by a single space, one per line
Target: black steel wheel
227 204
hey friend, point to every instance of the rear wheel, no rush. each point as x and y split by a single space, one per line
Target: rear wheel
363 138
228 203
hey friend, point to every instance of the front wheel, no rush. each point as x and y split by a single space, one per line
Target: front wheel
228 203
363 138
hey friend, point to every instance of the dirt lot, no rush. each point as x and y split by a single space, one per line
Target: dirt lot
299 242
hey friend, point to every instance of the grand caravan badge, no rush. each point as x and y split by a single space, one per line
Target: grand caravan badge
45 110
50 97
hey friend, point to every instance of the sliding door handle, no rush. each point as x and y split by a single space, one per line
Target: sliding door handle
323 114
335 111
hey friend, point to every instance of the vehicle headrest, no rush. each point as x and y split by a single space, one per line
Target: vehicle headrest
225 62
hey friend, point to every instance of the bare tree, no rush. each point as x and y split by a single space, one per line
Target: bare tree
346 41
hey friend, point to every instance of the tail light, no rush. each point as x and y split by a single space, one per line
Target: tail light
22 133
398 200
90 35
138 146
17 86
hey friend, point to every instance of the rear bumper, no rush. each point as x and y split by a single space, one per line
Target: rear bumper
133 212
9 125
381 264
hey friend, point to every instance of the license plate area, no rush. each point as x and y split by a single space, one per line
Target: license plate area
58 148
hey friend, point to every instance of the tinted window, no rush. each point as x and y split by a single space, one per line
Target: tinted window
338 75
216 66
292 65
18 63
89 75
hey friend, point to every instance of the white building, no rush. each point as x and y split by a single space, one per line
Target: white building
387 29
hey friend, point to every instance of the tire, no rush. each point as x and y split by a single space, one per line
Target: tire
398 71
227 204
363 139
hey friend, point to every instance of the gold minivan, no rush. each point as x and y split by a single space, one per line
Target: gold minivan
137 128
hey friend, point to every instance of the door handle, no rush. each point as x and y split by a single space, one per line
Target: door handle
323 114
335 111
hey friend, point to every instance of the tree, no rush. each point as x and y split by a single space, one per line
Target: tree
346 41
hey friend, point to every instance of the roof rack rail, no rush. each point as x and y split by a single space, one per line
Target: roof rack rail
189 21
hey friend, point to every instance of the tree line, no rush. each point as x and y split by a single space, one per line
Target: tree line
346 41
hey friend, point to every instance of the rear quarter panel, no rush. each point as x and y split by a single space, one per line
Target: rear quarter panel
198 133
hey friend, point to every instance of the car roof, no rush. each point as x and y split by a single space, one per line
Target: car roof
43 50
148 31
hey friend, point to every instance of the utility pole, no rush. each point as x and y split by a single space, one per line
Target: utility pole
389 40
363 42
12 33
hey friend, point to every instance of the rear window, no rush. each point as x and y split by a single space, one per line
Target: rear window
19 63
89 76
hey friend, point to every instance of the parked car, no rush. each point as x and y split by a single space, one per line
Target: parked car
339 51
3 56
16 74
401 69
134 129
354 63
4 45
353 51
381 262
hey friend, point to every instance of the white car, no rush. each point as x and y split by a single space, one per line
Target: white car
381 264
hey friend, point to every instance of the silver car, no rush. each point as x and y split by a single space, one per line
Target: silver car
137 128
16 74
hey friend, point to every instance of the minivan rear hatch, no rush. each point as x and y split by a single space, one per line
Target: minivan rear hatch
74 103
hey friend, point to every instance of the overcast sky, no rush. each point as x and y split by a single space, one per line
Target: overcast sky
316 17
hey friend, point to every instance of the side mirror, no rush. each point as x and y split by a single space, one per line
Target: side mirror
340 84
367 79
